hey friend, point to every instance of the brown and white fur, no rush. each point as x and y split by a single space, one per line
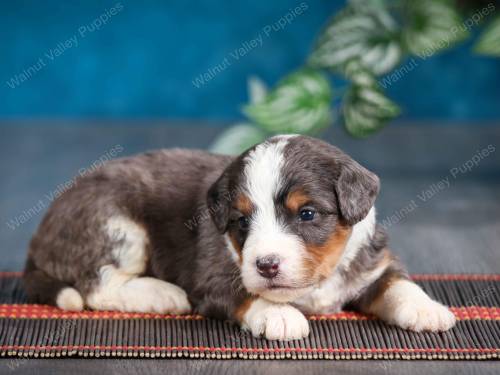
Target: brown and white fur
285 229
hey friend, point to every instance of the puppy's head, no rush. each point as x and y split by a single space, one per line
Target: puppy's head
287 207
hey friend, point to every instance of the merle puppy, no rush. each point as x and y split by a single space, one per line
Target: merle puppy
284 229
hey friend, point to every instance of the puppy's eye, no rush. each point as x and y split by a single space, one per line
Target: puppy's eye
307 214
243 223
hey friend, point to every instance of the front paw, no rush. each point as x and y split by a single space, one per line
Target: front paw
424 316
405 304
275 321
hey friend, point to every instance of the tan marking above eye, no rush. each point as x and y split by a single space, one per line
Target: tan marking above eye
243 204
296 199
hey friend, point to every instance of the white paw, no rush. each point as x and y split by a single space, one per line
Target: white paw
147 294
405 304
142 294
424 316
69 299
275 321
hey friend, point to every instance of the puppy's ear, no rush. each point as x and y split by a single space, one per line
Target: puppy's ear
356 190
219 202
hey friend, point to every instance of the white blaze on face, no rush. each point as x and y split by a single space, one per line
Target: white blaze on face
263 174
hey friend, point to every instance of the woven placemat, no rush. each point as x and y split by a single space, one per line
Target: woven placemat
28 330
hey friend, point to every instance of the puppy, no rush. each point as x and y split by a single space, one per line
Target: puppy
285 229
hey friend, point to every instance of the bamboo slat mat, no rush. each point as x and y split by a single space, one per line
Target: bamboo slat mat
28 330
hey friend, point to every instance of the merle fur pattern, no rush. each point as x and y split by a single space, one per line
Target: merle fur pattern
183 198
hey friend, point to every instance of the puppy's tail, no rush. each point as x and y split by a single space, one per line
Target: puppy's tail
43 288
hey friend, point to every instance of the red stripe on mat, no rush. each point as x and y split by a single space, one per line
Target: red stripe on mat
458 276
438 277
28 311
11 274
249 350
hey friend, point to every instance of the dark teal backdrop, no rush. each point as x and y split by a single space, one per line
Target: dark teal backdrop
144 57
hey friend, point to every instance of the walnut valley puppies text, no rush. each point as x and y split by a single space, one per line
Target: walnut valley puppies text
249 45
64 46
437 187
50 196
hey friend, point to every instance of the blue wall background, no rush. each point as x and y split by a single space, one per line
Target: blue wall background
142 62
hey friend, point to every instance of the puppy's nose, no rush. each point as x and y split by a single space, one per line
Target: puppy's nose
268 266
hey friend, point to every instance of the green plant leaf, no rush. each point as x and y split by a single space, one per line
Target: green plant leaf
366 110
489 41
237 139
368 35
257 90
300 103
363 4
359 74
432 26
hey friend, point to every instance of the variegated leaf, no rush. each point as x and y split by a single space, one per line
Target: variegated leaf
432 26
366 109
237 139
364 4
257 90
299 104
367 35
489 42
359 74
